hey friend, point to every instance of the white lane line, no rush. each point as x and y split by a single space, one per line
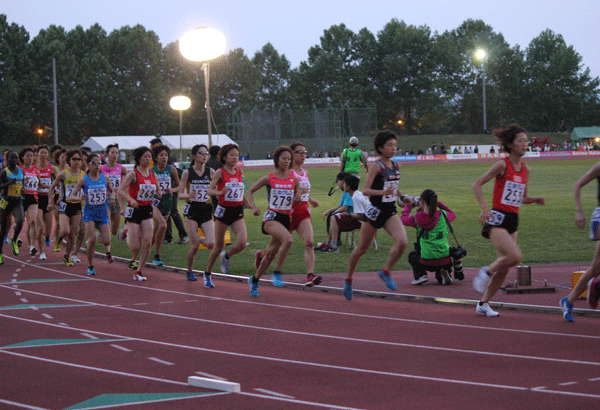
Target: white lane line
594 380
18 293
210 376
538 388
154 359
24 300
567 383
15 275
121 348
21 405
162 303
18 270
193 300
47 316
140 304
63 324
90 336
33 307
274 393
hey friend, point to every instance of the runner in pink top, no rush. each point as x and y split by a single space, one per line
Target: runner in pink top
115 173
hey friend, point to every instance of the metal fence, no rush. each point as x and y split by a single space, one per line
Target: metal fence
321 130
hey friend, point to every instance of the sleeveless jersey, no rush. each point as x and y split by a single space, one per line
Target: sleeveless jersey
235 195
510 189
69 185
144 189
304 183
15 189
165 181
388 177
281 193
30 184
351 160
115 175
45 179
199 184
96 192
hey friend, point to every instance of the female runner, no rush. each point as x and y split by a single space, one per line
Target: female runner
501 222
11 185
69 210
138 188
381 186
284 189
228 185
96 191
198 210
48 173
60 158
30 197
115 173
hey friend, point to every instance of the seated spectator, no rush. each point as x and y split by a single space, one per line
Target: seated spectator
352 218
345 204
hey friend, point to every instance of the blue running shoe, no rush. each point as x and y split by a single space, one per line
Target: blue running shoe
47 243
207 281
388 280
191 277
6 239
253 287
157 261
276 278
347 290
567 308
91 271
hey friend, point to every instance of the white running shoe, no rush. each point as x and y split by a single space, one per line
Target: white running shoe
43 256
139 277
421 280
75 259
486 310
480 283
224 263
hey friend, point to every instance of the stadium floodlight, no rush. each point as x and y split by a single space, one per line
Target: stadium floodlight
481 55
203 44
180 103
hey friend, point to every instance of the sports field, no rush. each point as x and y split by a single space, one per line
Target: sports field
547 233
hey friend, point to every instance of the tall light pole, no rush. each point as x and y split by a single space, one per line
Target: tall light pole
481 56
180 103
203 44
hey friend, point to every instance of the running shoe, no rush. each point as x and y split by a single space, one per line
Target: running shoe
91 271
480 283
138 276
157 261
207 281
421 280
14 247
312 279
42 256
387 279
446 280
486 310
567 309
1 259
593 292
109 257
19 242
133 265
276 279
191 277
183 240
32 250
67 261
320 245
57 245
75 259
224 262
347 290
257 259
122 235
329 249
253 287
47 241
6 239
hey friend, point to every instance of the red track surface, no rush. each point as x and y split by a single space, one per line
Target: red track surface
287 348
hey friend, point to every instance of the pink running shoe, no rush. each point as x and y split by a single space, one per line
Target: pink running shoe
257 259
593 293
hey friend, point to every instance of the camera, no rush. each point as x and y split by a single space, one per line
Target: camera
457 253
415 199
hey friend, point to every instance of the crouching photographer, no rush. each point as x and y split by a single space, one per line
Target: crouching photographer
432 252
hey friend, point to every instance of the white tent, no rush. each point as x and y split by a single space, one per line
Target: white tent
172 141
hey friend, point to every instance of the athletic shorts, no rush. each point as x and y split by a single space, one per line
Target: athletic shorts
97 214
70 209
229 214
378 217
114 206
298 215
283 219
346 223
164 205
501 219
594 223
199 212
8 203
28 200
139 214
43 203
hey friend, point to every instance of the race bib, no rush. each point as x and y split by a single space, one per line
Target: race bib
513 194
3 203
146 192
496 218
62 207
305 184
115 181
164 181
281 199
15 189
186 209
128 212
97 196
45 181
269 216
390 198
201 191
372 212
31 183
69 188
235 193
219 211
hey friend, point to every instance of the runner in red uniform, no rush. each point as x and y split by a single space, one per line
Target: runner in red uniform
284 189
501 222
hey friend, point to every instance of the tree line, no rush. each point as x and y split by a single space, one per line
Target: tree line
419 82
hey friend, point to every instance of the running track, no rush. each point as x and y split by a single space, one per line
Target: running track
73 341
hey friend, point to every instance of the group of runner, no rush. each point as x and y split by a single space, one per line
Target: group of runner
78 194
